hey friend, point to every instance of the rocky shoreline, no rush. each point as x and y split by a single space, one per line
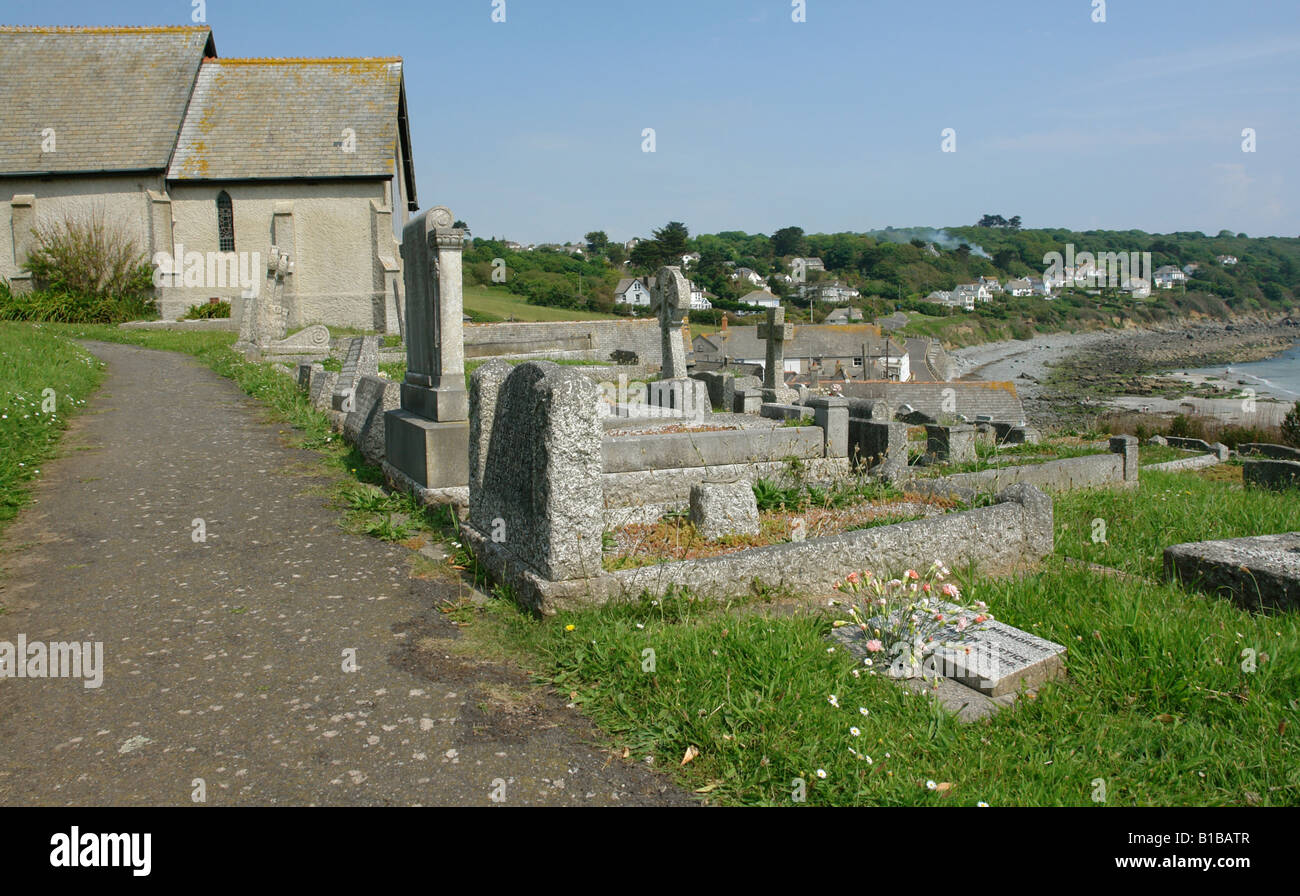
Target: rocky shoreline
1066 379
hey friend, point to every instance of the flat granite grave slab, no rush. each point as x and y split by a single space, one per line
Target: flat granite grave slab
1261 572
998 660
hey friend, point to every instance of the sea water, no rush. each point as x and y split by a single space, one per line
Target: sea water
1278 376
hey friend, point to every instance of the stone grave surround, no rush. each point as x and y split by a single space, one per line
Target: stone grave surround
1261 572
536 513
1271 474
427 438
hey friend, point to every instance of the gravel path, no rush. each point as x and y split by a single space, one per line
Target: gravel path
223 659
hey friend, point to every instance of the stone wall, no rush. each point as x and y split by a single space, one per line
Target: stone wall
592 340
661 451
1093 471
939 401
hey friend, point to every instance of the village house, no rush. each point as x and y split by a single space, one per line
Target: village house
824 351
1226 260
760 298
950 299
1020 287
1137 287
1040 287
832 291
1168 276
748 274
806 265
690 258
992 284
206 163
844 316
633 291
975 292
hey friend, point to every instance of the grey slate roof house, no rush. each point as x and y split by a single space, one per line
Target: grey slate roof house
826 347
206 163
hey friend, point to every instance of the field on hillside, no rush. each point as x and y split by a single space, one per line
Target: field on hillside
505 305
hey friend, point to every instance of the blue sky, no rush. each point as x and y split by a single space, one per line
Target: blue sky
532 128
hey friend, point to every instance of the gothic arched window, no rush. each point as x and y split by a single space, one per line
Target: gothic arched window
225 223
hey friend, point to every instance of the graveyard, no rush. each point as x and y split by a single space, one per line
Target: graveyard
670 552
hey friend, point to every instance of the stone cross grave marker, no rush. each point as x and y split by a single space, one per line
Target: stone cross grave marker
670 298
272 321
775 332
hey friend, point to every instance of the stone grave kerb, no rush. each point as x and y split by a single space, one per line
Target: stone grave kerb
434 386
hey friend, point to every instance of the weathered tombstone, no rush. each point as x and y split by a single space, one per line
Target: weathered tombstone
953 444
832 415
364 425
360 358
1259 572
735 384
675 392
775 332
272 320
1023 435
722 508
670 299
748 401
321 386
1128 447
535 494
427 438
878 445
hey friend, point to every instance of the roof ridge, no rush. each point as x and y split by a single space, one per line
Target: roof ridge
275 60
101 29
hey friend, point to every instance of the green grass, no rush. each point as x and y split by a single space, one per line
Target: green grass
34 358
504 305
1157 702
1159 454
1168 508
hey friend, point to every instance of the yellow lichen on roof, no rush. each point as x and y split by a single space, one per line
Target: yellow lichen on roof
101 29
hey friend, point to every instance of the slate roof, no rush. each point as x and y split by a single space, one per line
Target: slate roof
260 119
115 97
996 399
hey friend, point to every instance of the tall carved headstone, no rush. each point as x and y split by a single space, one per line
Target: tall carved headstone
776 331
428 437
670 299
